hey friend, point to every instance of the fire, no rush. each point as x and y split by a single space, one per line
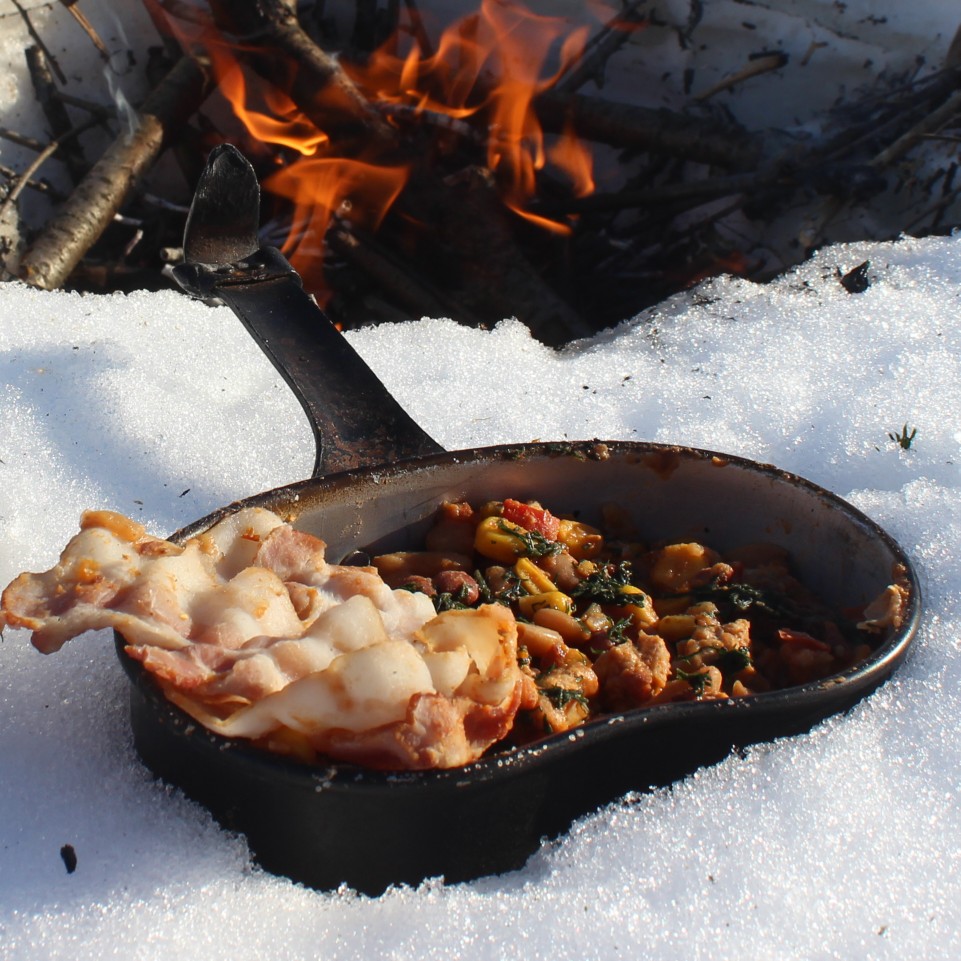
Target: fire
284 126
323 187
479 84
489 65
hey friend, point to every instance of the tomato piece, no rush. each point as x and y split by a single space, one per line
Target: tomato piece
531 518
802 639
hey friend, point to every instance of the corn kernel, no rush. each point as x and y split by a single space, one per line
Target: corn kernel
499 540
581 540
530 604
677 564
532 578
642 613
676 627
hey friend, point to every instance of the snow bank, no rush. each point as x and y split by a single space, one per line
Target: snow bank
842 843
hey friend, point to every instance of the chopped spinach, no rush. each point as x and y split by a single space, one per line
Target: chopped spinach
606 585
534 543
560 697
698 681
742 597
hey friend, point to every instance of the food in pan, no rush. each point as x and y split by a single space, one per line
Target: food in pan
607 623
512 623
249 629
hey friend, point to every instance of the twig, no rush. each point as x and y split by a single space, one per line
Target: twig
643 128
38 40
417 29
756 66
74 9
382 267
937 118
615 33
282 52
695 190
31 143
91 207
41 186
37 162
55 111
100 110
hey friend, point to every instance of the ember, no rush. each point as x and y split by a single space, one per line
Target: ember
419 162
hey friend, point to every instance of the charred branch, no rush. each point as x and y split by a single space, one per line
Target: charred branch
278 48
54 110
595 57
38 40
631 127
74 8
395 277
497 280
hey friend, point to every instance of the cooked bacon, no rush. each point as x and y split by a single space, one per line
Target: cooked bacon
391 705
632 673
252 632
886 610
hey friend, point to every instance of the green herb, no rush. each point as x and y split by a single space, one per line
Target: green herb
534 543
452 601
560 697
413 587
904 439
486 595
512 589
616 634
698 681
727 660
606 585
742 597
734 661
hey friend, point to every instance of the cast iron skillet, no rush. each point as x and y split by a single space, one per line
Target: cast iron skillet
335 823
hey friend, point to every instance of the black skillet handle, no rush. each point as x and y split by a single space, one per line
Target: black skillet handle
355 420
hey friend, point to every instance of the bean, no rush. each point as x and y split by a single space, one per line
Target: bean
458 583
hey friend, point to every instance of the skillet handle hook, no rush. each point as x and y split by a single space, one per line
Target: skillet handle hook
355 420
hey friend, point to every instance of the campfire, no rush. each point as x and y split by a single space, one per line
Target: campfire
477 164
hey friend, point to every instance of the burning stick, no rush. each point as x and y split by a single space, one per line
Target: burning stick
628 126
384 269
92 206
282 43
497 278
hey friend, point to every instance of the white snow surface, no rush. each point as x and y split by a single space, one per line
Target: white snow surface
841 843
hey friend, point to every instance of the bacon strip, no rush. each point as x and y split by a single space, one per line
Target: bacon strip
252 632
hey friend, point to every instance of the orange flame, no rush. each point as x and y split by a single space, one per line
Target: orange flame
323 187
285 126
508 43
572 156
487 67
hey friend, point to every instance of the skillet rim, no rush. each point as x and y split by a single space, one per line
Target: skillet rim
838 691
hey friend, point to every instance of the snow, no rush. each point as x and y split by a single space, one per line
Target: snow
842 843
